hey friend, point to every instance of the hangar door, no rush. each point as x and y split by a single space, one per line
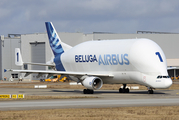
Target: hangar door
38 56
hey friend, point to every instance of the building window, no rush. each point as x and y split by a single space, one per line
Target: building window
25 67
14 75
49 68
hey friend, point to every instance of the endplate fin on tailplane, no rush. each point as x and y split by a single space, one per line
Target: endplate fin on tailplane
19 60
18 57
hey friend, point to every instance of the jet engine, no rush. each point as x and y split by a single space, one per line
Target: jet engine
93 83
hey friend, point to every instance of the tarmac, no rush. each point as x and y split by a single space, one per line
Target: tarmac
102 98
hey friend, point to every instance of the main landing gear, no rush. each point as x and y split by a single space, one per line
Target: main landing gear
124 89
150 90
88 91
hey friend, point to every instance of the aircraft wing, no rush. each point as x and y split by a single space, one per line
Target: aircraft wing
50 73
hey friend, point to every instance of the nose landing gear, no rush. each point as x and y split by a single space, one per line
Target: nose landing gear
150 90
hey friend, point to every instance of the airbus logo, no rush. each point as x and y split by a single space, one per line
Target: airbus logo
106 59
113 59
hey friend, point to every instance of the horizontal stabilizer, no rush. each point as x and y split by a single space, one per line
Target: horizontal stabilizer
19 61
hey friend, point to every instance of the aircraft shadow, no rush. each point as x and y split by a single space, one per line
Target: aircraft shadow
131 92
103 92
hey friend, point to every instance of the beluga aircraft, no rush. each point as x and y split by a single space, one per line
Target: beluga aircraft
94 63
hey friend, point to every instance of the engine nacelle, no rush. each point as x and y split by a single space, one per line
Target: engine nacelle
93 83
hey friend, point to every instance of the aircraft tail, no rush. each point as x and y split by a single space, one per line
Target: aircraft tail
18 57
56 45
54 40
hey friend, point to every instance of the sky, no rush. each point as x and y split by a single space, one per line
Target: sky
88 16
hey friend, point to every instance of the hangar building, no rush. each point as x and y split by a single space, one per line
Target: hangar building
36 48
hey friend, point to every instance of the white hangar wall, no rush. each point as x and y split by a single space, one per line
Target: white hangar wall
8 46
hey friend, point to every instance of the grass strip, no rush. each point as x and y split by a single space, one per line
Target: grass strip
119 113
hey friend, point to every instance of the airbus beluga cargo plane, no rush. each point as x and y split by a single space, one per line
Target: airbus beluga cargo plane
94 63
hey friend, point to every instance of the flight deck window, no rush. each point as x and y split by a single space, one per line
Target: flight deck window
159 77
25 67
166 77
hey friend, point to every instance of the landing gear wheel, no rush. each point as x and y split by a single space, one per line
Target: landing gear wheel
127 90
88 91
84 91
124 89
150 91
92 92
120 90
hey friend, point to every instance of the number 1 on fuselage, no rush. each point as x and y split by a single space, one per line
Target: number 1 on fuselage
157 53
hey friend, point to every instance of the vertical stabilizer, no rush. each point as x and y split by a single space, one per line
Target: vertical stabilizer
56 45
18 57
54 40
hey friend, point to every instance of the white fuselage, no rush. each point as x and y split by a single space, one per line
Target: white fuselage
137 61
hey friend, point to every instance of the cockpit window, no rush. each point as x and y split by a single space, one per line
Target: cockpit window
159 77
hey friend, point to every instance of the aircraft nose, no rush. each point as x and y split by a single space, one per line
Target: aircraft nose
168 83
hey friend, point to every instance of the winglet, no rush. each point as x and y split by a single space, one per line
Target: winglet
18 57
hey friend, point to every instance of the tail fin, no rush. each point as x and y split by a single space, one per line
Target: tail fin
54 39
18 57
